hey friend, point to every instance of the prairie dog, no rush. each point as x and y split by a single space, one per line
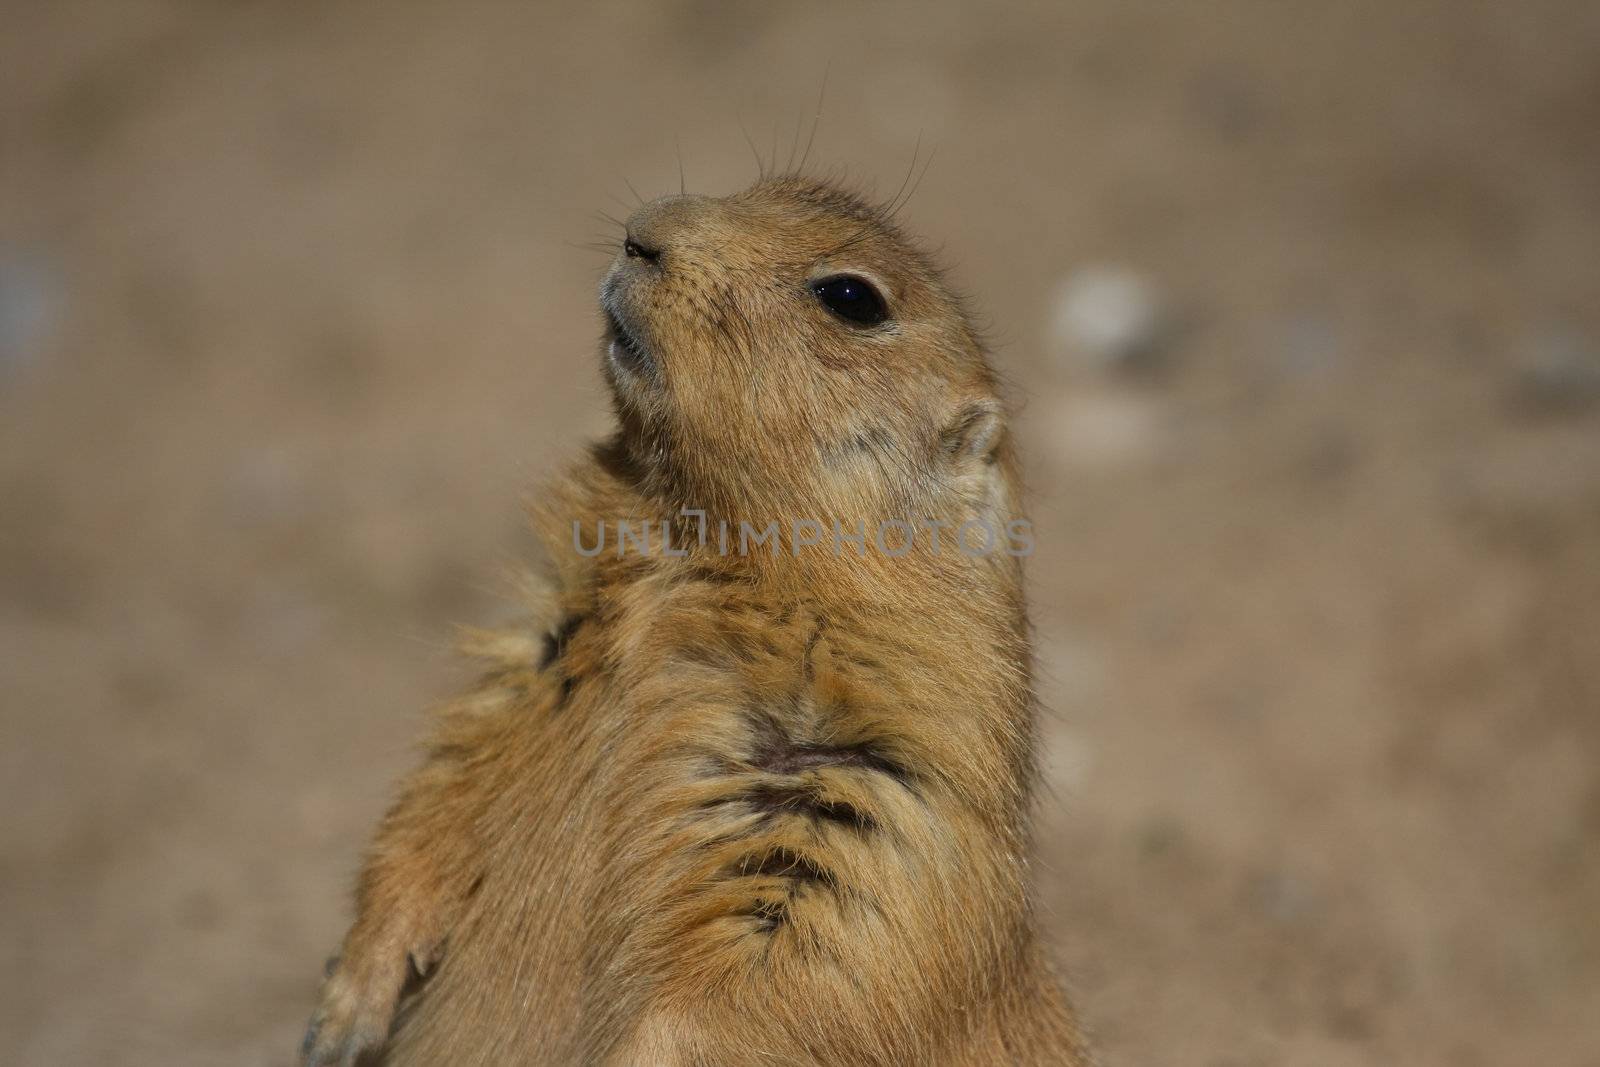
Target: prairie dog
753 787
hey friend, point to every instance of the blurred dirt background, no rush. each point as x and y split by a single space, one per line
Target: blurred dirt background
1300 303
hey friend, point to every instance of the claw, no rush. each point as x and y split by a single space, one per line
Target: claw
310 1040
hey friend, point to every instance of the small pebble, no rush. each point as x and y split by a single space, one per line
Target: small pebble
1559 371
1310 345
29 300
1107 318
1284 897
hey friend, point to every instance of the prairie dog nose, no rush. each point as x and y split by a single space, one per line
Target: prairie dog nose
654 228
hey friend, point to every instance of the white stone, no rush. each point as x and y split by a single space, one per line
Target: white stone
1105 316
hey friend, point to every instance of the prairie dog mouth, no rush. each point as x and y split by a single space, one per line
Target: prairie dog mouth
626 350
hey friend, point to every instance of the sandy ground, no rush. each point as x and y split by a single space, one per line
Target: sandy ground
295 302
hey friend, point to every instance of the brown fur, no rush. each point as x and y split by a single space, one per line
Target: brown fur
712 810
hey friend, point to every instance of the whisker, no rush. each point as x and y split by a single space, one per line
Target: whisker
918 183
889 209
794 146
761 172
816 120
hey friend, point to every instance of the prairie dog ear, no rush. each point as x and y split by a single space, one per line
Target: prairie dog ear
974 431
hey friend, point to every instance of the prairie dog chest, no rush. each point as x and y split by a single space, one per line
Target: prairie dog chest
725 677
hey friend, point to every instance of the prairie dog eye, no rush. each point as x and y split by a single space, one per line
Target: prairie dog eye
851 298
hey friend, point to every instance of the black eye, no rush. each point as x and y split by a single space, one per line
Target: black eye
852 299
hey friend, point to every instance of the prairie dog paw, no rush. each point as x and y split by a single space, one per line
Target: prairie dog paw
354 1017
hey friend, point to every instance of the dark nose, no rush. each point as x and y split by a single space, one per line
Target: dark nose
660 224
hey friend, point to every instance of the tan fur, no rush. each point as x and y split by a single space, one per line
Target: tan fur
714 809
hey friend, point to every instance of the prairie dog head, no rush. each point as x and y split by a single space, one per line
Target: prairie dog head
786 349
